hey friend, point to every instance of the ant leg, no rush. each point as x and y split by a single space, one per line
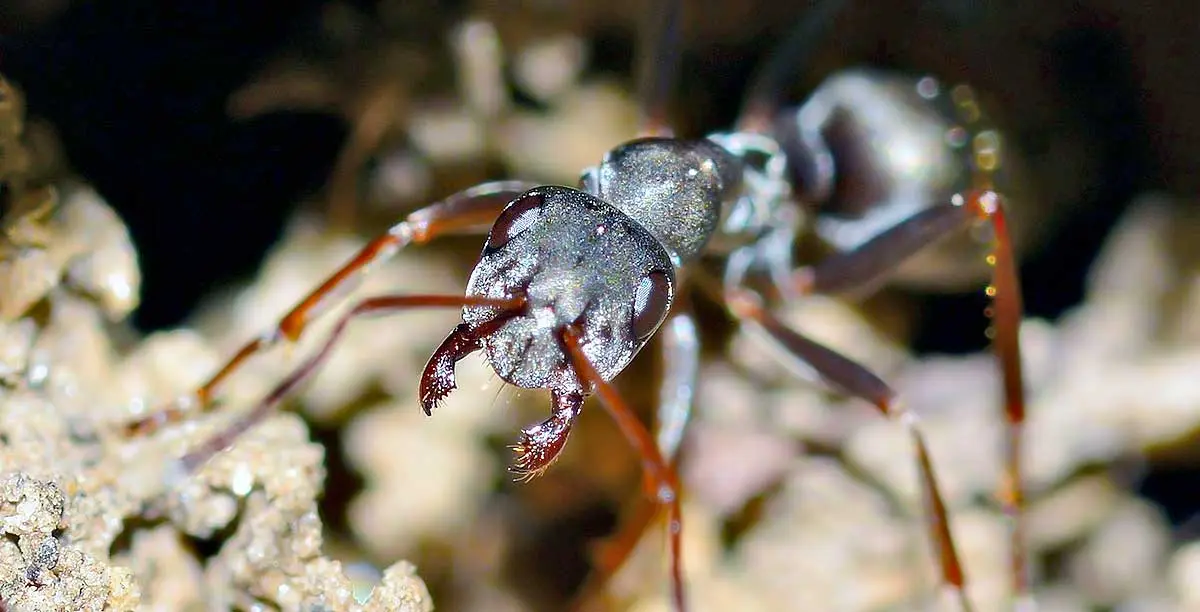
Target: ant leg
868 266
769 86
848 376
371 306
660 474
464 211
681 369
660 67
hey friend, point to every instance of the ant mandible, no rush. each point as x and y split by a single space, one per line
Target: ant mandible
573 282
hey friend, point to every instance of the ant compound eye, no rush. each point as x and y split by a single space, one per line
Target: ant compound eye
651 303
516 218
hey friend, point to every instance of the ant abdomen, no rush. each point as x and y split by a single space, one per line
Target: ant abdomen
870 148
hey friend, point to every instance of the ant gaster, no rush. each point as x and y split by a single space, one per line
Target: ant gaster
572 283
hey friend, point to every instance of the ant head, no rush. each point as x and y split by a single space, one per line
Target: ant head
578 262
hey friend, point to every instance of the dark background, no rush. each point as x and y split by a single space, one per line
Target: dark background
138 89
137 92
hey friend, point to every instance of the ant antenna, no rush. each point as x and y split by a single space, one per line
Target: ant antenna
768 86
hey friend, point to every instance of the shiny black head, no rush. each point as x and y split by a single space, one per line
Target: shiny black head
578 261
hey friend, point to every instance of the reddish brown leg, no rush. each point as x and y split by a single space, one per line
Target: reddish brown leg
681 368
660 474
610 555
468 210
376 305
869 265
853 379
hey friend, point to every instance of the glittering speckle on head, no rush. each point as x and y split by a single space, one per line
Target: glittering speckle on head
577 260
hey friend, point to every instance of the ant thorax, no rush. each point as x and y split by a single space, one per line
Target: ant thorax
758 228
577 261
676 189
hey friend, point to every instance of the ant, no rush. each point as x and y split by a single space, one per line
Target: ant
573 282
